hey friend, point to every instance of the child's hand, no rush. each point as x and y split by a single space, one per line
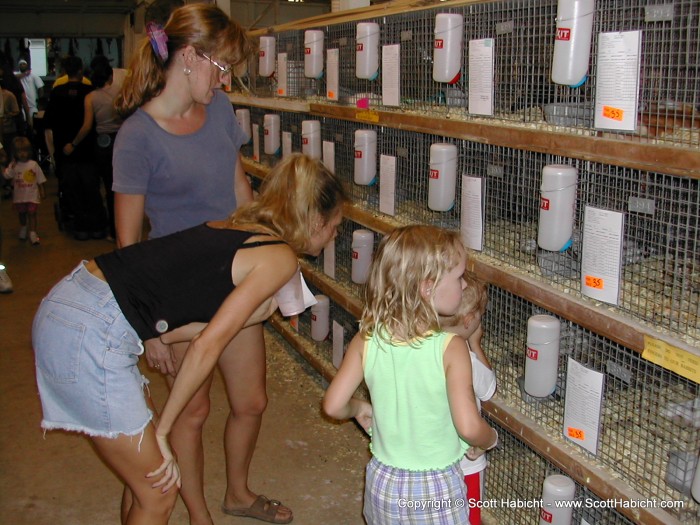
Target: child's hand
363 414
475 453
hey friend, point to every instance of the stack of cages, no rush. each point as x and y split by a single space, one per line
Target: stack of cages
522 36
649 417
659 265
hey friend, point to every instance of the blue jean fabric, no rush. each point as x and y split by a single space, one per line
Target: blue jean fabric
86 360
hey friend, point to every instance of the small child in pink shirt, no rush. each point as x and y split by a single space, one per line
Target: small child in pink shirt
28 187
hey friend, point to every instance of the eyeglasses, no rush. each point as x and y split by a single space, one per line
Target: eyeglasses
224 70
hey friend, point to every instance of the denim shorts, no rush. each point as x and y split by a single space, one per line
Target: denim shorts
86 360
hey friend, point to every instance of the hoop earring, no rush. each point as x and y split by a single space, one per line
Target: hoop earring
187 71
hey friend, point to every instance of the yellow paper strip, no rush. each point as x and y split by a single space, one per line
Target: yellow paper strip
672 358
367 116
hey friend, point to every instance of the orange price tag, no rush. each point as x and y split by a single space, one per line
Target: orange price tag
594 282
613 113
280 91
331 94
575 433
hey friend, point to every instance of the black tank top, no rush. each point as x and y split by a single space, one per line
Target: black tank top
164 283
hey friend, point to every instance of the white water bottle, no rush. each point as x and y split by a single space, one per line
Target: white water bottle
320 318
313 53
271 131
367 51
266 56
365 157
243 118
442 182
557 207
362 249
311 138
447 52
572 42
557 488
542 355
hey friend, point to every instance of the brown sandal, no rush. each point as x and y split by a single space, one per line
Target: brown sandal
262 508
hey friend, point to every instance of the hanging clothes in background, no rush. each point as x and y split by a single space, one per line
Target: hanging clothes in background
23 49
8 51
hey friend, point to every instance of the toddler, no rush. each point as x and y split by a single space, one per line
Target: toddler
28 187
419 378
466 323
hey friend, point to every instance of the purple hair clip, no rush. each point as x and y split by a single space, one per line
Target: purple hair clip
158 38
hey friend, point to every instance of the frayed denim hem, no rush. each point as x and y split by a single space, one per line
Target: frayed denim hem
49 425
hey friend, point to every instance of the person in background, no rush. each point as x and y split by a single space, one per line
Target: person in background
64 79
101 114
33 89
466 323
5 281
79 183
10 110
28 187
177 161
419 378
224 273
11 83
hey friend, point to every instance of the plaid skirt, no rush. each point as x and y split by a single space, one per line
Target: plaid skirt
397 496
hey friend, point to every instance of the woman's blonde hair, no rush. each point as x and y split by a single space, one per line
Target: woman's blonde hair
406 258
298 197
203 26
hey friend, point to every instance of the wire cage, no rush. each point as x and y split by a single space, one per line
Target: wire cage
337 315
515 475
650 418
342 258
523 33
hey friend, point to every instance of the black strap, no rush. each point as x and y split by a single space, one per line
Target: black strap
255 244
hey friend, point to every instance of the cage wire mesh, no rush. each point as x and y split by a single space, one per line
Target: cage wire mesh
650 418
516 473
523 33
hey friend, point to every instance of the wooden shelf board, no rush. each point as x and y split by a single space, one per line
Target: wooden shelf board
671 160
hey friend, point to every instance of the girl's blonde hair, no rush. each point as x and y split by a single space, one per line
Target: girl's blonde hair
298 197
474 299
202 26
405 259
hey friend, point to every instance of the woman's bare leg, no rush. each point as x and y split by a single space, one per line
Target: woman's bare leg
132 457
243 367
186 440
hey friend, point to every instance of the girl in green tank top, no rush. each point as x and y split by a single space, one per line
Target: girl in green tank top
419 379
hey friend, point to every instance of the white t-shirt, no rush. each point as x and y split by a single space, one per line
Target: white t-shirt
26 177
484 380
32 84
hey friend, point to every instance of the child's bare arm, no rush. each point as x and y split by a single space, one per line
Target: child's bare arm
338 402
460 392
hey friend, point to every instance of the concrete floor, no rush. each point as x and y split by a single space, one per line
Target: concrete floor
314 466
